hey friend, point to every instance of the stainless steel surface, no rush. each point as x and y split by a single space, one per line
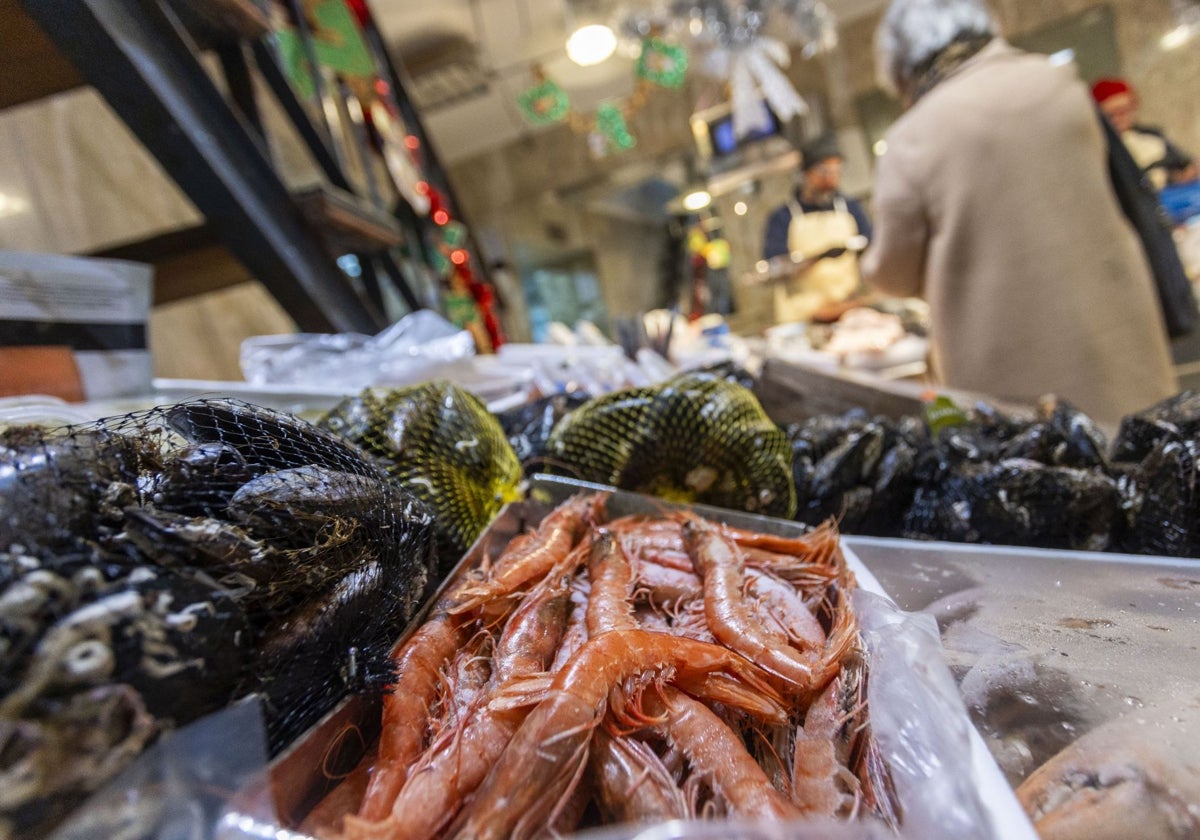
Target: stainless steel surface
1049 645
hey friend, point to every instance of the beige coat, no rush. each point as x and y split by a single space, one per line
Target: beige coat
993 202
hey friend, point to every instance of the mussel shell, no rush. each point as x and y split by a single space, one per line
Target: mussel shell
265 439
1176 417
201 479
1166 521
53 488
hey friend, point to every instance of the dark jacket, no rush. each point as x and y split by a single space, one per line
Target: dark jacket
1145 212
775 243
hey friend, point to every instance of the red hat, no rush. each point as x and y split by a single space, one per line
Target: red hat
1107 88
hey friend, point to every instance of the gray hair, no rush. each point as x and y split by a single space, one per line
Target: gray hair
914 31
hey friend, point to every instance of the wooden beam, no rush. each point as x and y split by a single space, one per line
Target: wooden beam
31 67
187 262
347 222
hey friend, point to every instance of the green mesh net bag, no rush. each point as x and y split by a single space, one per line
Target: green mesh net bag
442 445
697 438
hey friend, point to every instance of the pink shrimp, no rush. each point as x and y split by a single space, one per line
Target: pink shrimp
718 753
817 766
657 540
721 688
692 623
666 586
719 562
406 708
437 786
660 541
609 607
805 575
324 821
812 547
533 558
632 783
547 755
778 599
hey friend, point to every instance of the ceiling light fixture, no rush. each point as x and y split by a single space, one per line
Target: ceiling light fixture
591 44
1176 38
696 200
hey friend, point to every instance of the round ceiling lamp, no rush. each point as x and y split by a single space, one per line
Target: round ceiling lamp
591 44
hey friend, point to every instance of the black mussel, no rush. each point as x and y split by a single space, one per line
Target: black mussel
187 651
1062 436
223 550
56 488
180 642
854 507
1020 502
1085 445
302 506
528 426
1177 417
892 492
337 643
1023 503
265 439
943 511
815 437
996 425
1034 443
1166 520
850 463
201 479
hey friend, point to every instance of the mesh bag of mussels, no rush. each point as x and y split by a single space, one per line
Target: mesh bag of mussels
156 566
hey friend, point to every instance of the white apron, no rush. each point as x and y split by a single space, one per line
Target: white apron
1147 150
829 281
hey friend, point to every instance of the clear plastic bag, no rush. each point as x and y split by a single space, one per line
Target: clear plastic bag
188 785
949 784
404 352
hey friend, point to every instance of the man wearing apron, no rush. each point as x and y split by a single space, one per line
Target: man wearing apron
815 219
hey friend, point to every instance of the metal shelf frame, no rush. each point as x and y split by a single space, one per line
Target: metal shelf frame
143 60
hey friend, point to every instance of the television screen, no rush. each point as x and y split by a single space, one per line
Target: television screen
725 142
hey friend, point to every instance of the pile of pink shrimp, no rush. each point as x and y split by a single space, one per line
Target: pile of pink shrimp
643 669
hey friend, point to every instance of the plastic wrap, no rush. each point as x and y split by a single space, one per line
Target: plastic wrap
405 352
185 785
948 782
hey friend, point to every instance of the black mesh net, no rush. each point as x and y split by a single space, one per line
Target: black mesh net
165 562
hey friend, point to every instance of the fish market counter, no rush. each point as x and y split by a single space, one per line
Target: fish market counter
1058 648
792 391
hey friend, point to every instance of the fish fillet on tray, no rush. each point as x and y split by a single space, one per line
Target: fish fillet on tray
607 665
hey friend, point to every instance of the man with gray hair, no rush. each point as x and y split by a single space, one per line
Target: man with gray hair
993 202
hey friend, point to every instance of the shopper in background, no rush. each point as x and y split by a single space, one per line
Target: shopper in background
816 219
993 202
1162 161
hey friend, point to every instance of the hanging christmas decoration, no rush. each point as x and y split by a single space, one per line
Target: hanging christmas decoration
610 123
337 43
737 49
662 63
398 155
545 103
